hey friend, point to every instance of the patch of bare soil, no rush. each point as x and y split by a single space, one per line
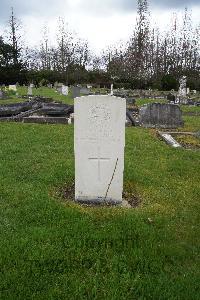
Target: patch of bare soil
67 193
132 198
188 141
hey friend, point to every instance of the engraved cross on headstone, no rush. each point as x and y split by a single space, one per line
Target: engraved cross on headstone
99 159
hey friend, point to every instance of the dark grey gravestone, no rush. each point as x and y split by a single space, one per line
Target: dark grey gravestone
171 98
130 101
85 91
1 95
59 89
76 91
51 109
129 118
160 115
190 102
121 93
7 110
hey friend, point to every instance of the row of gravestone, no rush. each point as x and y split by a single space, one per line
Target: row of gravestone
155 114
63 89
76 91
150 115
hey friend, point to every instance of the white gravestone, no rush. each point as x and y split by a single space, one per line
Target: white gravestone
59 89
65 90
30 91
12 87
182 92
99 149
111 90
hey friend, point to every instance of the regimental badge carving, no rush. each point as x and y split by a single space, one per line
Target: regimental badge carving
100 114
99 118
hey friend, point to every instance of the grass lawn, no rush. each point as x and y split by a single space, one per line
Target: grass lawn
43 91
141 102
11 100
47 92
186 108
55 249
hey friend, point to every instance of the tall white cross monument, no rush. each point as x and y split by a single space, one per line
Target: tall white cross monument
99 141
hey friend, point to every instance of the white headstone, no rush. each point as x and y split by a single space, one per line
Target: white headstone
12 87
65 90
30 91
182 92
32 85
188 91
99 148
59 89
111 90
182 89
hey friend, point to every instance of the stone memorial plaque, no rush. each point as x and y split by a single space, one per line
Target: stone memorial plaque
65 90
99 149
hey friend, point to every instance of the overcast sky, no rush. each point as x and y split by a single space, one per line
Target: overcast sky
101 22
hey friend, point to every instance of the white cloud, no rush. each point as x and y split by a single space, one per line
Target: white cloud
101 22
100 32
